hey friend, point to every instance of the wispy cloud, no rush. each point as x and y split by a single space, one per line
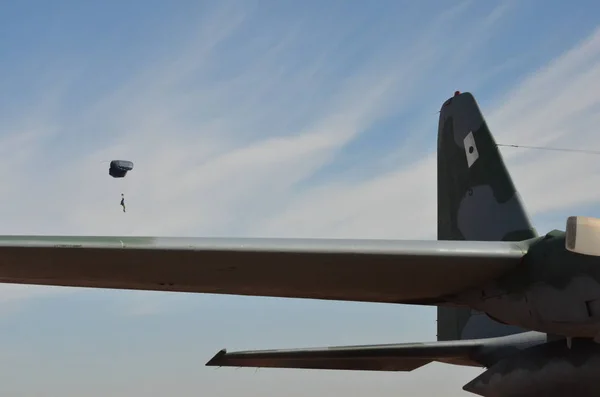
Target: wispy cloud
260 119
222 156
228 130
557 106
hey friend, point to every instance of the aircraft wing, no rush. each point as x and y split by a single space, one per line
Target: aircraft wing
393 357
350 270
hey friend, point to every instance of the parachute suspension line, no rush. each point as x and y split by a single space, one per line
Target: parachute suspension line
126 225
551 148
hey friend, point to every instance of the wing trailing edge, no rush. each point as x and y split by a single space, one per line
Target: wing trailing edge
348 270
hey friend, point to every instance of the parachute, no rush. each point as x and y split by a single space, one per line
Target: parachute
119 168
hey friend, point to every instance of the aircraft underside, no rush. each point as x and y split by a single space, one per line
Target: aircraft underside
544 309
556 294
550 370
520 365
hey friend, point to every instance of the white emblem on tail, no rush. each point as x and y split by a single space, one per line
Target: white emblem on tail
471 149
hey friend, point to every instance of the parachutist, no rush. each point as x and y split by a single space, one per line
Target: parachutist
118 169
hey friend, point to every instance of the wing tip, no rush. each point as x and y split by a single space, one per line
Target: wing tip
216 360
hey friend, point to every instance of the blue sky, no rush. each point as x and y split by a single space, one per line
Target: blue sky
270 118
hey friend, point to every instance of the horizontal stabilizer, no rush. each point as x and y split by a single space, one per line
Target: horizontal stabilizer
393 357
350 270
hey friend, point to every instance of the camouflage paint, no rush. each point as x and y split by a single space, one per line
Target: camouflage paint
352 270
83 241
550 370
384 357
477 201
553 290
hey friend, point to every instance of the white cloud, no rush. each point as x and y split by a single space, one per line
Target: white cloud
224 141
560 103
557 106
227 156
202 166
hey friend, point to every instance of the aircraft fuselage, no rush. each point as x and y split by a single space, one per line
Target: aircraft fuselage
549 369
554 291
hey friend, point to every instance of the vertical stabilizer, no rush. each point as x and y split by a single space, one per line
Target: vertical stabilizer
477 201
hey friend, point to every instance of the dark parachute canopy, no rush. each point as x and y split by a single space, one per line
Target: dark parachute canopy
119 168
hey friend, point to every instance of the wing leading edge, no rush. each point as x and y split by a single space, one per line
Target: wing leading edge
347 270
393 357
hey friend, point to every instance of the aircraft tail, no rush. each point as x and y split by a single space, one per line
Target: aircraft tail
477 201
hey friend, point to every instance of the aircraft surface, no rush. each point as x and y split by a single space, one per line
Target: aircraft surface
523 306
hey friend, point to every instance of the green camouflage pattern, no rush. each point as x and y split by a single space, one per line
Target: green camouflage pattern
549 369
476 202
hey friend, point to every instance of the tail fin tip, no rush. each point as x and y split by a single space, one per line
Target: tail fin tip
477 199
